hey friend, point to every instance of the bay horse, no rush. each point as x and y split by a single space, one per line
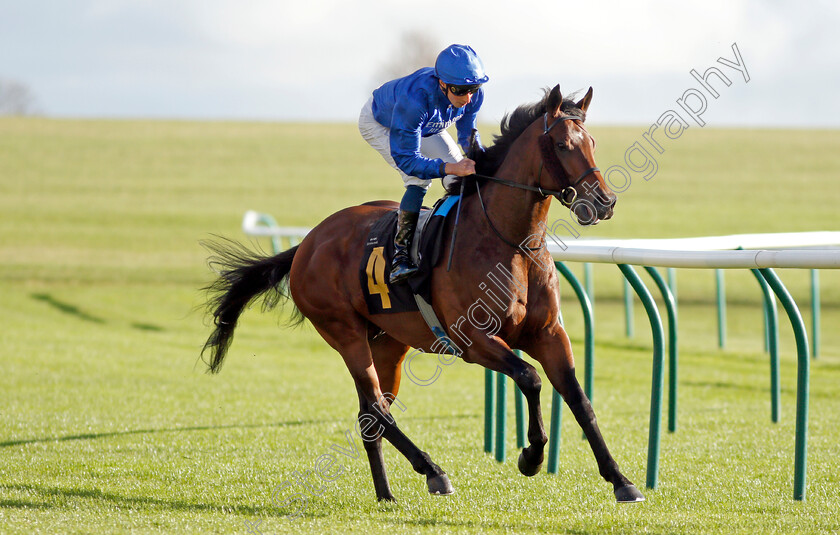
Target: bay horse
543 151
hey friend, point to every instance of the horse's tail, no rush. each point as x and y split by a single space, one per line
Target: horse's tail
243 277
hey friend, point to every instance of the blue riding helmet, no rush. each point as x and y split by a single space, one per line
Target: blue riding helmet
460 65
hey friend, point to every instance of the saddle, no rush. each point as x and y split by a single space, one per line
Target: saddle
380 295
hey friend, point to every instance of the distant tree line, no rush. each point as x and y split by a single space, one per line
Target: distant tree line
16 98
416 49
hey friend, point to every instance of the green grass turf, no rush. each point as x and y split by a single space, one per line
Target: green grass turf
110 425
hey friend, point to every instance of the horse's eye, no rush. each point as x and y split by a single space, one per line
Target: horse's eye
562 147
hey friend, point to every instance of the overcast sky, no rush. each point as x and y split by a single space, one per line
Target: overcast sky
318 59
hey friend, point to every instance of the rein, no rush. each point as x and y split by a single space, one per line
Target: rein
566 196
492 226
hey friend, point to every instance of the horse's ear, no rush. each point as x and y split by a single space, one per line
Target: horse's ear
555 99
584 102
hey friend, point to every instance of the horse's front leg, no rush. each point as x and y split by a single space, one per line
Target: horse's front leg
495 355
553 350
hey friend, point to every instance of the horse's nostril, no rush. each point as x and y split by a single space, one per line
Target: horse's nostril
585 211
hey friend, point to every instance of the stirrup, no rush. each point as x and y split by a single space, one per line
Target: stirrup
402 271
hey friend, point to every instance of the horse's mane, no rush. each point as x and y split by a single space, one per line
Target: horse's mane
511 127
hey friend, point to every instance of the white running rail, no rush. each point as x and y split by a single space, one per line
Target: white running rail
703 252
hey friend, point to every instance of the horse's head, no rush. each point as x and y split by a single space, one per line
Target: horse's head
567 152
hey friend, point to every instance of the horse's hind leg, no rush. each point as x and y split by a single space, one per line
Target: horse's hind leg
373 448
387 357
554 351
351 342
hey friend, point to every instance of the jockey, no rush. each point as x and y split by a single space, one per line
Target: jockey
406 120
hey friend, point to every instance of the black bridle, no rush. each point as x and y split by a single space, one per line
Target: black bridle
550 159
566 196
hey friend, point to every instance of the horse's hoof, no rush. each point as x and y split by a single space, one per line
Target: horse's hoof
629 494
439 485
528 468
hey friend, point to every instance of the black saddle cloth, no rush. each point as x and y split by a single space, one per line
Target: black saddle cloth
380 295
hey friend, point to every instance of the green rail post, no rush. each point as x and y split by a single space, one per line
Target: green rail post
589 281
270 222
554 433
721 307
501 394
671 308
802 382
771 335
628 310
489 409
519 402
766 311
815 313
658 373
672 282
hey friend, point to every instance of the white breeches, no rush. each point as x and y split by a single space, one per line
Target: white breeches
440 145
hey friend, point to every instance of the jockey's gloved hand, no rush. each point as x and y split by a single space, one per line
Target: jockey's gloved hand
475 149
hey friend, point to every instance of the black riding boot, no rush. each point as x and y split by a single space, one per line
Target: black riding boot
401 267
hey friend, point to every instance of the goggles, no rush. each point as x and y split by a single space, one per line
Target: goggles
461 90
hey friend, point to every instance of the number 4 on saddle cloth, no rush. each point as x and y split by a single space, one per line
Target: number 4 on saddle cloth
426 250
